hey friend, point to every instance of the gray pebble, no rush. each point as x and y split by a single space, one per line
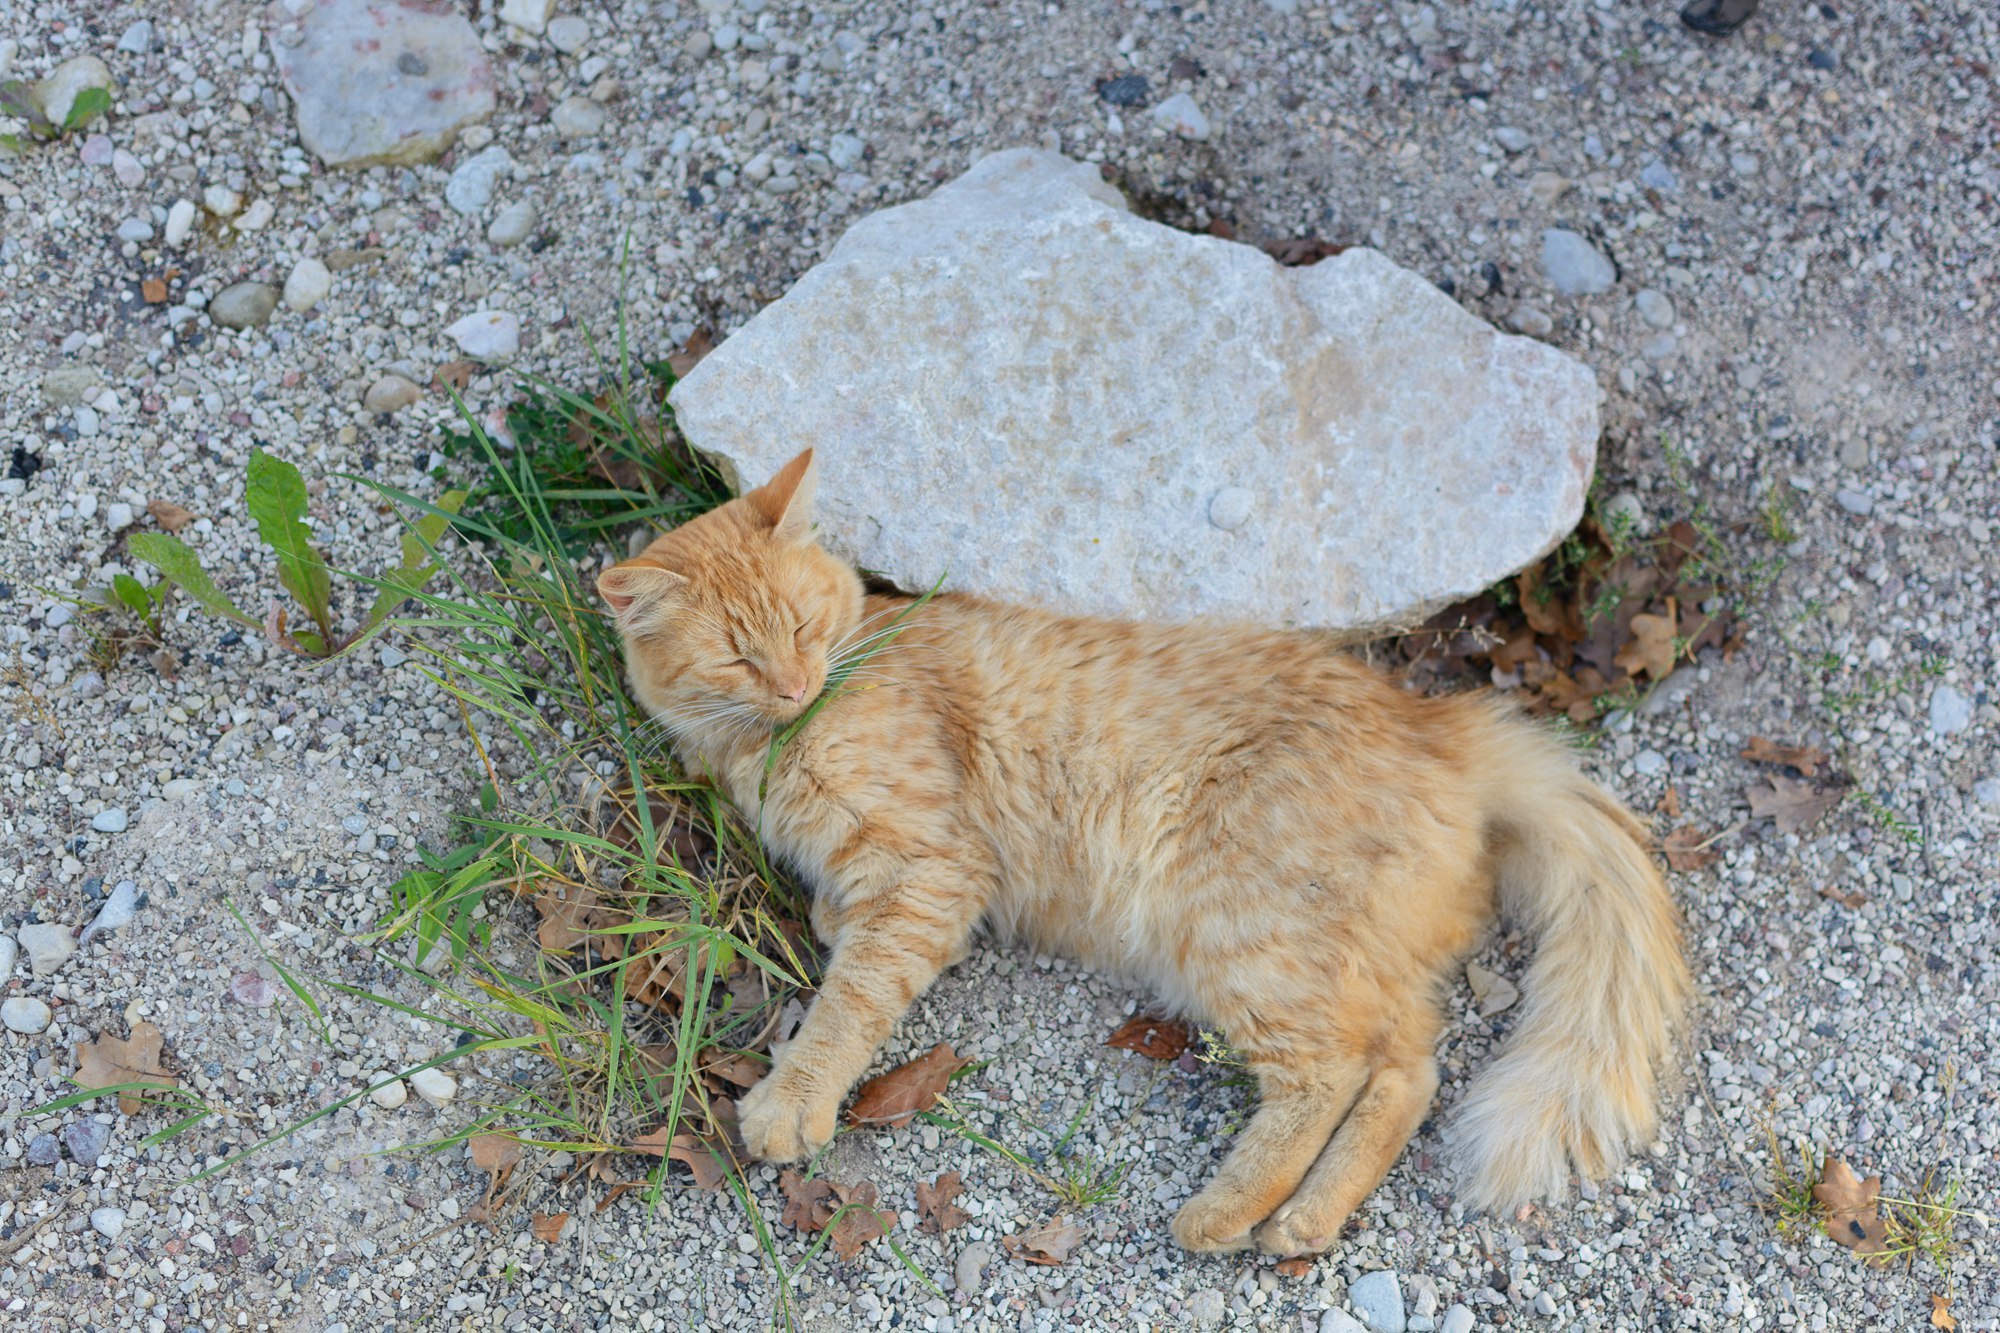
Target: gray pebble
1655 308
44 1150
727 36
86 1140
1650 762
111 820
1986 791
513 224
108 1222
137 39
1531 320
1339 1321
569 34
1655 175
1207 1307
1230 507
474 180
390 393
1574 266
1378 1299
1951 711
1855 502
135 229
577 118
1457 1319
26 1015
243 305
10 953
968 1274
47 945
1512 139
1545 1305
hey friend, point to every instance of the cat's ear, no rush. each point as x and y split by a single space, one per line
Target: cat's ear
639 592
785 501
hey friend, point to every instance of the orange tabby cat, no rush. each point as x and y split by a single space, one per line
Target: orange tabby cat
1279 841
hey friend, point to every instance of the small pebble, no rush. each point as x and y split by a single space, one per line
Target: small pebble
26 1015
108 1222
578 118
1950 711
87 1139
1545 1305
1530 320
434 1086
391 393
1855 502
388 1093
1378 1299
110 820
117 912
1512 139
253 990
47 945
1182 116
1655 308
308 284
487 335
243 305
44 1150
1458 1319
180 222
513 224
1574 266
1339 1321
569 34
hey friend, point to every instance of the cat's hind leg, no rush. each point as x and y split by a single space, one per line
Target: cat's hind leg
1362 1150
1298 1108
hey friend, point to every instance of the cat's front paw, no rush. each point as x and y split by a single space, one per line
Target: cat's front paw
782 1122
1211 1223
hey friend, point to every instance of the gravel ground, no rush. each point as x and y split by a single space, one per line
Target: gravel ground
1801 230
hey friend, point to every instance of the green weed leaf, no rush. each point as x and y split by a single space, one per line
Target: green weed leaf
416 569
276 498
175 561
89 104
133 594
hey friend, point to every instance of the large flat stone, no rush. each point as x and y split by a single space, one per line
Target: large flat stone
380 81
1018 385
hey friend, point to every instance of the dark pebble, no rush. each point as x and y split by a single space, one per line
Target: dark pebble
1125 90
86 1141
43 1150
411 63
1825 60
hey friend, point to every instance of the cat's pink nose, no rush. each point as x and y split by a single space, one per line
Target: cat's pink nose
797 694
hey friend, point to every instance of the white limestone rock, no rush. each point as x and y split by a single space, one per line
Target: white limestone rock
1020 386
381 82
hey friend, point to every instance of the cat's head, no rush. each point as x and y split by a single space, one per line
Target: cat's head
729 619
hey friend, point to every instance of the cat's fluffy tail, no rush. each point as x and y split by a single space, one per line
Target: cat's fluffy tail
1604 995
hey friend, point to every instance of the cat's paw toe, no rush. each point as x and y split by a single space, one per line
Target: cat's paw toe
1290 1232
781 1124
1210 1226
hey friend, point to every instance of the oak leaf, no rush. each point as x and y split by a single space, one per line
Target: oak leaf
936 1213
497 1154
1688 849
457 374
1852 1218
169 515
1050 1243
548 1226
1653 648
847 1213
1805 758
1154 1037
108 1062
1793 805
709 1158
894 1099
1941 1315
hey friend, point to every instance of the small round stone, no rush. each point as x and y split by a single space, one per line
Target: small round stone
1230 507
308 284
389 1093
26 1015
434 1086
391 393
111 820
243 305
108 1222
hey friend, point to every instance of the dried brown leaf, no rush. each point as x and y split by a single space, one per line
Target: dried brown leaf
548 1226
1941 1315
936 1213
1852 1219
1050 1243
1297 1266
1653 647
699 345
572 916
1301 251
744 1071
858 1222
154 290
456 374
169 515
1150 1035
709 1157
894 1099
1854 898
1670 802
1687 848
497 1154
110 1061
1793 805
1805 758
809 1204
619 1189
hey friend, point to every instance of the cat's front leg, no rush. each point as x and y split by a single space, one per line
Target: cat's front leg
887 949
